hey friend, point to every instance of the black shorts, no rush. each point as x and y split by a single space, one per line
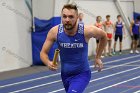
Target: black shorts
118 36
97 41
135 37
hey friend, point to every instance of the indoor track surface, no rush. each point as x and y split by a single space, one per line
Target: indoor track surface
121 74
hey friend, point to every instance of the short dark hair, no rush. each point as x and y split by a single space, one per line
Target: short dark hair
119 16
107 16
98 17
70 6
138 18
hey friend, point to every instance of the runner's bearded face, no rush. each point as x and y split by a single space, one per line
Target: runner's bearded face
69 19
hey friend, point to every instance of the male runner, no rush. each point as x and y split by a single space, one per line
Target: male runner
72 39
109 28
135 31
99 24
119 31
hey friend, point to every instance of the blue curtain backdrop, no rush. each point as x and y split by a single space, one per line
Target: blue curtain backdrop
136 14
42 28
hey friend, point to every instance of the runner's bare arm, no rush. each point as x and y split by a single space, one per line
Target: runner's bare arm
92 31
51 37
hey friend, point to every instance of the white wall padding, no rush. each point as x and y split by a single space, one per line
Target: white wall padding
15 35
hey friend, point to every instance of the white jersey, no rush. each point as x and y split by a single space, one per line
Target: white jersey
108 27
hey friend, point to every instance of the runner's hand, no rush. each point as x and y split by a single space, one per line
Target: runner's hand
51 66
98 63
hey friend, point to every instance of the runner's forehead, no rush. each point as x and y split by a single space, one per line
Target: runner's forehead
69 12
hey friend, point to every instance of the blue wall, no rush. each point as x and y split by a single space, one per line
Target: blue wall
42 28
136 14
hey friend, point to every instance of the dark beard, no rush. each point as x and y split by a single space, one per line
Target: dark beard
69 26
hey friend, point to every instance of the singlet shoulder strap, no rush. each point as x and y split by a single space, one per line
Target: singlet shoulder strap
81 28
60 28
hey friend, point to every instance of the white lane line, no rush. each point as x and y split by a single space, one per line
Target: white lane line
137 91
96 71
124 65
57 90
119 65
29 80
100 78
130 88
121 59
7 85
114 74
35 86
115 85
